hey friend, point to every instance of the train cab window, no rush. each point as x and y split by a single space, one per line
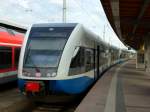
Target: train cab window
45 46
17 53
77 62
5 57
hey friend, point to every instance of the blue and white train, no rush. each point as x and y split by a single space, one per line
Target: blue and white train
63 58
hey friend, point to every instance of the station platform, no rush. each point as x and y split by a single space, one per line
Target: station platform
123 88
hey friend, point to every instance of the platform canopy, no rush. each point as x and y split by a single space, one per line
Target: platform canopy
130 19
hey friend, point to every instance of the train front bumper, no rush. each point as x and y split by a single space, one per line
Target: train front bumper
69 86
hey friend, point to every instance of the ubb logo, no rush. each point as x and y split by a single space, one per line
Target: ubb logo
51 29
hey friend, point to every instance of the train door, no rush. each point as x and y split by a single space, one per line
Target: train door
97 65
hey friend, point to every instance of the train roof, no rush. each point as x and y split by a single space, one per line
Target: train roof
98 39
7 39
11 34
89 32
13 26
55 25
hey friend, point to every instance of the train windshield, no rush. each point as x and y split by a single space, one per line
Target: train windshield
45 46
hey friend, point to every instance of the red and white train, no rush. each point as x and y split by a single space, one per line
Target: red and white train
10 44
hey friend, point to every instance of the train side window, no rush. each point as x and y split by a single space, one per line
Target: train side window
82 61
89 62
17 54
102 56
77 62
5 57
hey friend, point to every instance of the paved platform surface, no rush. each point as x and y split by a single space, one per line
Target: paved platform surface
122 89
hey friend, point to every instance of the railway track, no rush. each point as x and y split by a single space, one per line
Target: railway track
54 108
64 105
10 97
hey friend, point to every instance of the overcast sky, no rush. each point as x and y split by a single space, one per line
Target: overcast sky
88 12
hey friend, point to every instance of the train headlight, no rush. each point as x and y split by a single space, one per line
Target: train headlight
26 74
51 74
48 75
29 74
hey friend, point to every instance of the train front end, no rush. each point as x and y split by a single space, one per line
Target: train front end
40 57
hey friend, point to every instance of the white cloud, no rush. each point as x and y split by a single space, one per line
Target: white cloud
23 3
57 2
87 12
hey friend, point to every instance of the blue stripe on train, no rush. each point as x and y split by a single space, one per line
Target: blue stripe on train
72 86
69 86
21 84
